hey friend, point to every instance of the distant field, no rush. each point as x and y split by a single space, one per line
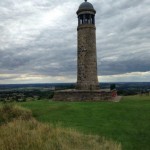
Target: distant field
127 122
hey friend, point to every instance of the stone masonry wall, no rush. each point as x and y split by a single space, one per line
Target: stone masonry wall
87 59
82 96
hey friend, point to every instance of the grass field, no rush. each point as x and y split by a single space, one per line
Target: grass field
19 130
127 122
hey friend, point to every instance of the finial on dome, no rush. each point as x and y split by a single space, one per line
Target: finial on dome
85 0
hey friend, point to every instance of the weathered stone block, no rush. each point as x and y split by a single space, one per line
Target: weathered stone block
87 61
83 95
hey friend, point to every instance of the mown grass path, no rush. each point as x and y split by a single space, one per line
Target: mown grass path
127 121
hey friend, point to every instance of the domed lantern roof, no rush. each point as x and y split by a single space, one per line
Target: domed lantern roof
86 6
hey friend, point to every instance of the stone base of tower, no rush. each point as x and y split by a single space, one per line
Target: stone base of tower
85 95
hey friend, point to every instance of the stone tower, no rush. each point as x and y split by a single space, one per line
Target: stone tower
87 59
87 87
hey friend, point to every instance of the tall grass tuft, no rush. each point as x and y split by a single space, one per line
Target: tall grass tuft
8 112
32 135
20 131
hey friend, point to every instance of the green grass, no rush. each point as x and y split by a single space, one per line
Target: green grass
127 122
20 131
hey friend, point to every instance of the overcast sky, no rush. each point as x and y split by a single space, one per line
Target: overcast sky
38 40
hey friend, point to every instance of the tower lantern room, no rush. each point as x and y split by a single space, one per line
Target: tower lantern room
86 13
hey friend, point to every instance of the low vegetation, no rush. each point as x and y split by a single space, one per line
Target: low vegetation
20 131
127 122
9 112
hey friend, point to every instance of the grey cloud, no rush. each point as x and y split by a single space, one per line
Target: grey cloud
9 77
27 46
137 63
123 32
